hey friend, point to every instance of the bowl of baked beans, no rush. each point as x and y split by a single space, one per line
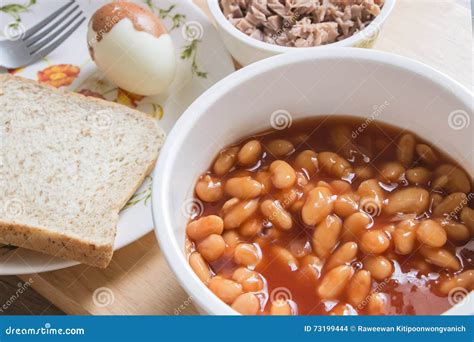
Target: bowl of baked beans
335 182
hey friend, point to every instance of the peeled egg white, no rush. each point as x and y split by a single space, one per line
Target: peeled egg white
136 61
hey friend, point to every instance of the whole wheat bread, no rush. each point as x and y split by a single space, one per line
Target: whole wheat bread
68 164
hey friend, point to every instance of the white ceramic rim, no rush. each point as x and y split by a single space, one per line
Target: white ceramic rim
163 182
360 36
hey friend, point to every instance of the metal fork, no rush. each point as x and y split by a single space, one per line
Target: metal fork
41 39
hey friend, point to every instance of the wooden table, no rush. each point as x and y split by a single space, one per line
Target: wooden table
139 281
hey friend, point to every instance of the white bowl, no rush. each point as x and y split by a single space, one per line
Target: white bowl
247 50
305 84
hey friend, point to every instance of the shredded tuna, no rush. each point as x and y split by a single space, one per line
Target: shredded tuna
300 23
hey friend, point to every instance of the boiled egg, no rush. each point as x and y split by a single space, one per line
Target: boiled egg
132 47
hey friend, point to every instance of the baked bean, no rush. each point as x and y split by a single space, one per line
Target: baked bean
300 247
231 239
342 256
456 232
342 309
243 187
334 164
435 199
467 216
270 193
458 181
341 139
440 182
318 205
200 267
379 267
225 161
421 266
280 307
440 257
250 153
451 205
211 247
205 226
307 161
392 172
355 225
374 241
389 229
324 184
418 175
301 179
273 211
346 205
284 257
326 236
280 148
371 197
246 304
359 287
334 282
246 254
404 237
310 267
287 197
426 154
409 200
228 205
364 172
239 213
463 280
227 290
406 149
251 281
209 189
283 175
431 233
265 179
341 187
377 304
297 206
251 227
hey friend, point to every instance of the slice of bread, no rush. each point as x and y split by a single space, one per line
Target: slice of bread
68 164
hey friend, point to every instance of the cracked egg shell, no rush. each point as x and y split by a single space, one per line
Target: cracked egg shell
132 47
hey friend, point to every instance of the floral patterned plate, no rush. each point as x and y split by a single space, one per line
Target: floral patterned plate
203 61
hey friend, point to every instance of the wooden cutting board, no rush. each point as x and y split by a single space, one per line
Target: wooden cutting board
139 281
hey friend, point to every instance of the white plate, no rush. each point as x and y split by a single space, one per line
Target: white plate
191 28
